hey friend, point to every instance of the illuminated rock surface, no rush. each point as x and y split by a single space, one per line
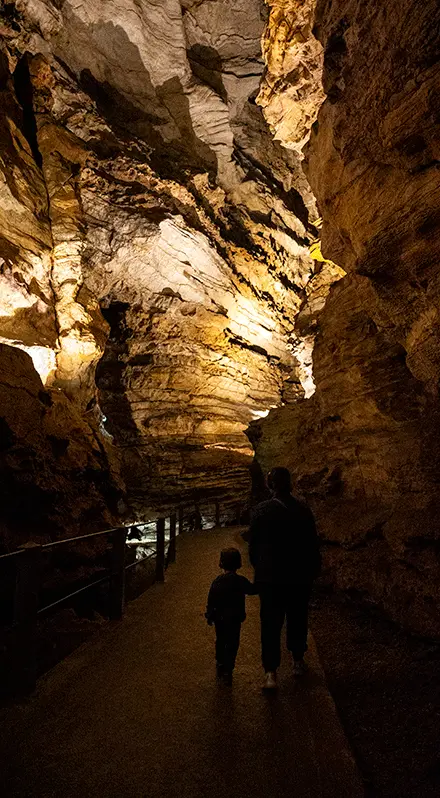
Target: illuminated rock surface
156 233
151 222
365 447
291 92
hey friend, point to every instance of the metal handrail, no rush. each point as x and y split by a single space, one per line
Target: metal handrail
138 562
94 584
77 538
64 540
53 543
75 593
29 568
11 554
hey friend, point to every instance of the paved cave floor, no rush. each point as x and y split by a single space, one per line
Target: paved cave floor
384 682
136 712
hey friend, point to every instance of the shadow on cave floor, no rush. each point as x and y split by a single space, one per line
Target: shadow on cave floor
385 684
138 710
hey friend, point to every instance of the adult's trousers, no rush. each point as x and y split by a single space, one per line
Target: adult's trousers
279 603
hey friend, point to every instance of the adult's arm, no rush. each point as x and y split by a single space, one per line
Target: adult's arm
315 554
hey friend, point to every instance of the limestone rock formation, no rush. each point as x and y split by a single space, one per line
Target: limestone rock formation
152 226
291 92
57 476
161 265
364 449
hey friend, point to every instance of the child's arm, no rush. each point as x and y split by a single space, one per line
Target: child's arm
249 588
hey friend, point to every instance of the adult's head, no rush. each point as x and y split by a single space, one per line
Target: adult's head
279 481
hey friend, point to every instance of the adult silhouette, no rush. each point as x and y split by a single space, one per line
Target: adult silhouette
284 552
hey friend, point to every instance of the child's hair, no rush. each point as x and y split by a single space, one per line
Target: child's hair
230 559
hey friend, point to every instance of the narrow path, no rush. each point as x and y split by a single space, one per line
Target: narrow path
138 713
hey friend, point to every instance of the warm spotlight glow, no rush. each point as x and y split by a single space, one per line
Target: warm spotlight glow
43 358
262 413
224 446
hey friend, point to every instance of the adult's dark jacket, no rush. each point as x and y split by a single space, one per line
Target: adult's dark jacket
283 543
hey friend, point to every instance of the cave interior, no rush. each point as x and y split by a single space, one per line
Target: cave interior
219 247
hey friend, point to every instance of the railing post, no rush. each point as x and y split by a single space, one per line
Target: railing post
180 520
27 589
217 513
160 549
172 546
197 518
117 577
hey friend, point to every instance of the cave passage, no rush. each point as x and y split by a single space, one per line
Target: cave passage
139 711
219 254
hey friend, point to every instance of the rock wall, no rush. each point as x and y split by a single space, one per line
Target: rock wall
57 476
364 448
291 91
152 225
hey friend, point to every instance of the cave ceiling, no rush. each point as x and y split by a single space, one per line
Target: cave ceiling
156 224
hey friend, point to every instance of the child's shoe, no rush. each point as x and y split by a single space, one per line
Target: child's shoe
227 678
270 681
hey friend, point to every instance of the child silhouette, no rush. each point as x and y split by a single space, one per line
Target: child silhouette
226 610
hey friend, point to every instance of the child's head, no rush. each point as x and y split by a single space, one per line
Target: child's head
230 559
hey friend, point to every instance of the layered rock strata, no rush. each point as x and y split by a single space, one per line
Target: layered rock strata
153 226
364 449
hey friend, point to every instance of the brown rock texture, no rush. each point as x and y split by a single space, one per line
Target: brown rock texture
155 239
160 265
57 477
364 448
291 92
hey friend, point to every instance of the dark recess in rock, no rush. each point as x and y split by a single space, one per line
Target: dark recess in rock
25 92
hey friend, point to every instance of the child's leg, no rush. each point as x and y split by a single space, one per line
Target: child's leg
220 643
232 642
